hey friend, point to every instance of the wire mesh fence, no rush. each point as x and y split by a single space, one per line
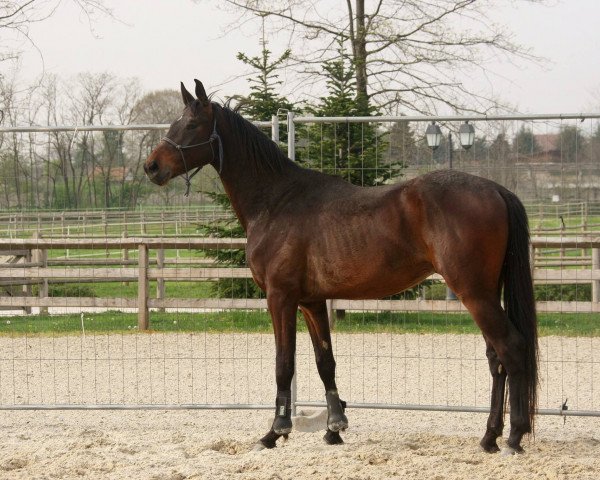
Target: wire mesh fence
83 255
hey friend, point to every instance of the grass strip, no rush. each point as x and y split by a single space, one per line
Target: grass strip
566 324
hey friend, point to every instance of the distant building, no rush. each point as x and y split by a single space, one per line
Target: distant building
117 174
548 150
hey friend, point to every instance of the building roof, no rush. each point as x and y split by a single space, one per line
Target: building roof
548 142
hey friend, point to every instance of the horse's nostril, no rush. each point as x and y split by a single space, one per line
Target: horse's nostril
153 167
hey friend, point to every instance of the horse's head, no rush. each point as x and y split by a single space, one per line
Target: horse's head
191 141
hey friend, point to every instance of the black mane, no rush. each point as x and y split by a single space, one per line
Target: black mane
258 148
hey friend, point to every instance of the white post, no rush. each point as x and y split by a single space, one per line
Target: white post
125 256
292 155
160 283
330 314
275 128
40 257
596 270
143 313
291 136
26 288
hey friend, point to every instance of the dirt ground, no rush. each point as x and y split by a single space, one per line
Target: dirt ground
217 444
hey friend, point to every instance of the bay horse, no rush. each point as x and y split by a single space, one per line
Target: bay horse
312 237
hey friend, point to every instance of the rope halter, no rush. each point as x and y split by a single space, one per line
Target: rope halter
213 136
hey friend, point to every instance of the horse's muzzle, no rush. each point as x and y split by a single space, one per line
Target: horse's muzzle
154 174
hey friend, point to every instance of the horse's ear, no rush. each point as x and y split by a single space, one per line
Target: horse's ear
200 92
187 96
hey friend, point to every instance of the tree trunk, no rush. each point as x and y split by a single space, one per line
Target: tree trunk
359 48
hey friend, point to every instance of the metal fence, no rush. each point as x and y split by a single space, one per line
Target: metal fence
101 288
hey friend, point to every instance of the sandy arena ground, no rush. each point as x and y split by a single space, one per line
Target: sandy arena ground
205 368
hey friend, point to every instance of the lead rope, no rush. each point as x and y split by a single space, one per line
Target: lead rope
188 177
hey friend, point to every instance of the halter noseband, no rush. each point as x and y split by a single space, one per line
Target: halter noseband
213 136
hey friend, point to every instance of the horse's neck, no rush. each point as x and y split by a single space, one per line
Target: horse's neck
251 189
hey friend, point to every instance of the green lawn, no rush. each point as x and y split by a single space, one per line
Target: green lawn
259 322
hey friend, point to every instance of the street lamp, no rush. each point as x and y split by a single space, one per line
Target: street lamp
466 133
433 134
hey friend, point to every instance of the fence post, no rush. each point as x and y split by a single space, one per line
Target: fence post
291 136
125 256
330 314
160 283
143 313
275 128
292 155
40 257
596 269
105 224
26 288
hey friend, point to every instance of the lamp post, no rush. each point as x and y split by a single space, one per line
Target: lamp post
433 135
466 135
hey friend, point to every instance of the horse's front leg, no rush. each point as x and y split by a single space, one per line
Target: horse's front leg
283 310
315 315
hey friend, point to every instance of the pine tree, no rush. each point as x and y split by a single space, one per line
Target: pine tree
353 151
572 144
525 142
263 101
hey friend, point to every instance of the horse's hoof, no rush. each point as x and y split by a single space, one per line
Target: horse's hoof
338 424
332 438
510 451
282 425
282 430
269 440
514 446
258 447
489 447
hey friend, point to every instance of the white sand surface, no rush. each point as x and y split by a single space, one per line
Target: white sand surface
226 368
217 445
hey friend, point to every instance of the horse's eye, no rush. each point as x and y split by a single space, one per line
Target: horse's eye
191 125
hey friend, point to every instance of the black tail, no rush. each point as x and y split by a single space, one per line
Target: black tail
519 300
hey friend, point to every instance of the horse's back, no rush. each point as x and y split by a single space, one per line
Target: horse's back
338 240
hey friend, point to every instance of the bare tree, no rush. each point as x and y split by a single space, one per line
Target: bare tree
408 53
73 160
10 156
78 169
17 16
157 107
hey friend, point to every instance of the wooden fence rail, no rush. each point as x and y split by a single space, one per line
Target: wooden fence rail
36 268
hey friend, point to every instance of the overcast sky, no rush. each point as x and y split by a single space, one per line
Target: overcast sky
164 41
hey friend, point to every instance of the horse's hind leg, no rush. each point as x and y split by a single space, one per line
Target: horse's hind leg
495 423
509 346
315 315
